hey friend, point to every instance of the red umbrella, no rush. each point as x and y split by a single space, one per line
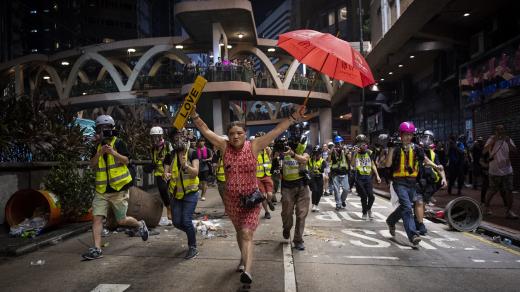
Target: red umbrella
327 54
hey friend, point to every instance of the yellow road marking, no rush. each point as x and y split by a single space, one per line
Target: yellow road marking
494 244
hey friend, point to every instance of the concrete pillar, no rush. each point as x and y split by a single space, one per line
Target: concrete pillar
18 80
314 138
225 113
218 32
325 125
217 116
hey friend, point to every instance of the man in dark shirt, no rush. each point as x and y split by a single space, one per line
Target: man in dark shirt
113 180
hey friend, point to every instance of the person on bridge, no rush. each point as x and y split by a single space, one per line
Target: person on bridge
182 168
404 159
339 172
295 192
364 166
159 149
113 180
263 177
240 165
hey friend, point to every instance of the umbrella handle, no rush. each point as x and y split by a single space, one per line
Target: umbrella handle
309 93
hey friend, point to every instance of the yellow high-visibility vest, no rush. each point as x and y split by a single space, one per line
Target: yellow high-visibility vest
188 184
221 176
401 171
363 163
157 159
315 165
340 163
435 172
290 169
117 175
263 165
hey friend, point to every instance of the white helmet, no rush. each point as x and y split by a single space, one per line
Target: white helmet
156 131
105 120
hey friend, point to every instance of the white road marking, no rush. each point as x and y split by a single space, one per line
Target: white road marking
373 257
288 267
111 288
478 261
471 248
373 242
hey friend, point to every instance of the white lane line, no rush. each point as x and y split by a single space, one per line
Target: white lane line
373 257
111 288
288 267
471 248
479 261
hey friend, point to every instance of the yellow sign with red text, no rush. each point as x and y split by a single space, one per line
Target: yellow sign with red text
189 102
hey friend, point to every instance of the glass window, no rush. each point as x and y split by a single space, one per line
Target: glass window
342 14
332 18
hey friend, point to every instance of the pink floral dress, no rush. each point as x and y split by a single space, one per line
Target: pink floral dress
240 170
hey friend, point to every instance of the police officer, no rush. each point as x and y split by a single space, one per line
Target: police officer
364 167
295 192
339 172
113 180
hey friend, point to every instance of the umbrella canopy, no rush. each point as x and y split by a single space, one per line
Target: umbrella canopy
327 54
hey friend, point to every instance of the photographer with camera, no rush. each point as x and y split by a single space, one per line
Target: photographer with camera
295 192
430 180
339 169
364 166
158 151
263 177
499 147
182 167
316 167
404 160
113 180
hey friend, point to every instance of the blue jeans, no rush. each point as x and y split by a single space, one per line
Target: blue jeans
182 215
405 193
340 180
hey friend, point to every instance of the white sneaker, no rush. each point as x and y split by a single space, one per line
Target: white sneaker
370 215
317 208
313 208
364 217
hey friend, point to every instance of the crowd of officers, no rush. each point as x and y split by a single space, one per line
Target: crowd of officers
303 174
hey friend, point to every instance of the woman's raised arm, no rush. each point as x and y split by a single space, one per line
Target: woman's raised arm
215 139
263 141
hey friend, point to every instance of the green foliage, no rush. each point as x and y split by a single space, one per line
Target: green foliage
75 191
29 131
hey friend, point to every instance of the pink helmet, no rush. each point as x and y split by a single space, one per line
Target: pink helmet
407 127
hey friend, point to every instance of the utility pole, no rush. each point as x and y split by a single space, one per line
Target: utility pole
362 118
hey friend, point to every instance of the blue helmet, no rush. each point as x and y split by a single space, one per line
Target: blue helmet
338 139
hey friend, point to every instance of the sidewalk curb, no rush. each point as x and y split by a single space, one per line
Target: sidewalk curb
487 226
18 250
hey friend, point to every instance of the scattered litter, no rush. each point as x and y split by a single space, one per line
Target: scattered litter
114 232
507 241
55 241
336 243
38 263
261 242
105 232
29 228
308 233
106 244
209 228
496 239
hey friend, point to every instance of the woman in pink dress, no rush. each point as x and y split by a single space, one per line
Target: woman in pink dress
240 159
